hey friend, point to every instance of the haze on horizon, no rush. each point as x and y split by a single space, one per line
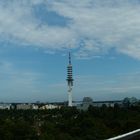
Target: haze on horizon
36 35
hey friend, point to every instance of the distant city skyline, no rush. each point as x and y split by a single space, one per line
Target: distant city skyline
36 36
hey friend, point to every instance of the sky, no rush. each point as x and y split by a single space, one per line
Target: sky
36 36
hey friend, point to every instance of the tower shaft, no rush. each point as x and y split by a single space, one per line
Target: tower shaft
69 81
69 96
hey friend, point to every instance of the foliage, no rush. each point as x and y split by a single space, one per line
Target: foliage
68 123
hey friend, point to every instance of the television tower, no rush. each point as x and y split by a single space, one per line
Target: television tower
70 81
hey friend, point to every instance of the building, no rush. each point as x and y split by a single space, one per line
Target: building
35 107
130 101
24 106
107 103
5 106
87 101
49 106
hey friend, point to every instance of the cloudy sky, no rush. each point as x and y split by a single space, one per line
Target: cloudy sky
36 35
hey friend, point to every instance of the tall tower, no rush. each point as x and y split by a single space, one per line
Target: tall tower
70 81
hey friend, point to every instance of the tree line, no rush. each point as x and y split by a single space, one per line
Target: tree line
68 123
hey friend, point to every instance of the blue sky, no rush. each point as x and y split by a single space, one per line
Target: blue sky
36 35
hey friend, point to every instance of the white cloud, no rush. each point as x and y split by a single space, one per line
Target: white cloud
100 24
18 24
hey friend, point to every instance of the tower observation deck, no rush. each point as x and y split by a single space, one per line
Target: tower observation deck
69 81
